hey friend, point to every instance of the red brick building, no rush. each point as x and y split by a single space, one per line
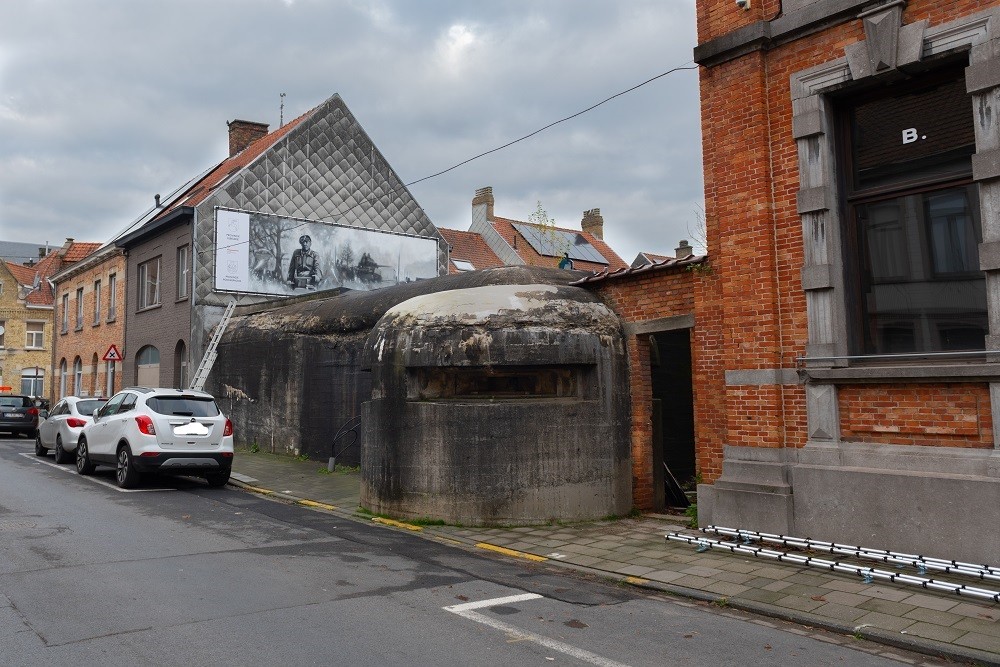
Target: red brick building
846 382
90 319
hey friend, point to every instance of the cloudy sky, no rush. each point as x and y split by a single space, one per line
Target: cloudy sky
105 103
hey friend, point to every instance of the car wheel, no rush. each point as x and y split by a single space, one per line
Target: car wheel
84 466
126 474
218 479
39 449
61 455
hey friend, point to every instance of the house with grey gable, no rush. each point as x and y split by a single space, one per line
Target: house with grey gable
282 215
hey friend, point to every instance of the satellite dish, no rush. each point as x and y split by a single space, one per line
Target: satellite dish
2 330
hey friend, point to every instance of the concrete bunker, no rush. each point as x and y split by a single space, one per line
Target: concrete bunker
498 404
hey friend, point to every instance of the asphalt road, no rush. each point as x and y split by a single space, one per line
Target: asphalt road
177 573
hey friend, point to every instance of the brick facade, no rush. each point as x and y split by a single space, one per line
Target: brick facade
102 325
784 396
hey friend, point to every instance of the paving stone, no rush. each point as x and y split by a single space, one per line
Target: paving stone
884 621
734 577
727 589
803 590
885 593
838 584
761 595
985 612
840 612
808 579
579 559
847 599
887 607
761 582
774 585
775 572
935 632
980 625
654 563
634 570
741 567
700 571
691 581
980 641
798 602
605 544
666 576
930 602
932 616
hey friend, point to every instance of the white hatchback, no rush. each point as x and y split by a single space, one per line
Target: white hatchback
142 429
63 425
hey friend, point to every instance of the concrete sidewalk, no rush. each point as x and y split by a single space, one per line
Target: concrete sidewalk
635 551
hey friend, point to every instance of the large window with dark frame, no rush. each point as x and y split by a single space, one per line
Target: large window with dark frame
913 228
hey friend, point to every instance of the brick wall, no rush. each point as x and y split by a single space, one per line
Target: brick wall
638 298
92 339
751 312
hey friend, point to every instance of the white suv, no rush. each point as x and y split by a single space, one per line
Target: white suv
140 430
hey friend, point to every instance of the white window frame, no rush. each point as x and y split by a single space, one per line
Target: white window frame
183 271
34 339
79 309
97 302
112 298
78 377
64 322
148 286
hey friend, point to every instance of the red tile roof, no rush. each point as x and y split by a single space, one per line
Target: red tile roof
70 253
470 247
201 189
505 227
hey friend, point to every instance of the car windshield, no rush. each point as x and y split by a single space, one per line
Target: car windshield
185 406
15 402
88 407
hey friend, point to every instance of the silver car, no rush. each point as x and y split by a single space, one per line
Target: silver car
61 428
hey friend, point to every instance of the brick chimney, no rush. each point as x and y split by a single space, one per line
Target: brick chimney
242 133
484 196
683 250
593 222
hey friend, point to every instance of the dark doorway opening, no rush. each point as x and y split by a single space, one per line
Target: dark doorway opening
673 414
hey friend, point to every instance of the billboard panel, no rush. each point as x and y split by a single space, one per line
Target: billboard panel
270 254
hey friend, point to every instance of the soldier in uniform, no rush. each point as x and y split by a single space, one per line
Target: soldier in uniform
303 270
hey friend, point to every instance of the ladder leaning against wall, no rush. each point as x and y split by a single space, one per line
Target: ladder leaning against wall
205 367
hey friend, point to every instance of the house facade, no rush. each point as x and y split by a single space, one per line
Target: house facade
319 168
27 299
89 332
853 233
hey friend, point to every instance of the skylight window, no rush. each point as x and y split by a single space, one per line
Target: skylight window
463 265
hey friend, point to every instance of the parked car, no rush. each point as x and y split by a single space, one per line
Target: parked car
18 414
144 430
60 428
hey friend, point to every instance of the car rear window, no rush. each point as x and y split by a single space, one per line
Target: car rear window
187 406
15 401
88 407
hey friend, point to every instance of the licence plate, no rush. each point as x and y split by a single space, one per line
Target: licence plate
193 428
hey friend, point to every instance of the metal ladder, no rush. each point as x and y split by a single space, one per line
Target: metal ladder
207 361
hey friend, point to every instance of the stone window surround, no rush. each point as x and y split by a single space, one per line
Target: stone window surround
818 206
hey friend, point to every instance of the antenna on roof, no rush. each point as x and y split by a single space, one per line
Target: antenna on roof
281 113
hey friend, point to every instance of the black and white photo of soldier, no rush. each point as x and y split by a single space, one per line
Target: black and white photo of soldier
304 271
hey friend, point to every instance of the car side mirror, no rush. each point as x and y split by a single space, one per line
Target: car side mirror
97 414
43 414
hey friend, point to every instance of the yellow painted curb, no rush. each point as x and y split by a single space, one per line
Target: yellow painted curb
313 503
257 489
510 552
397 524
636 580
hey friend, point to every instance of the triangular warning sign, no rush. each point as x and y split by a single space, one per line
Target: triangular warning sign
112 354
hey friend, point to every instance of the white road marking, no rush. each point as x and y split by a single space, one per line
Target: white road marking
465 610
90 478
556 555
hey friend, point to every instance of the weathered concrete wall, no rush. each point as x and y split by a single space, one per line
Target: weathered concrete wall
290 373
486 459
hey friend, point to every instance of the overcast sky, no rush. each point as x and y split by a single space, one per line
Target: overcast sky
105 103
